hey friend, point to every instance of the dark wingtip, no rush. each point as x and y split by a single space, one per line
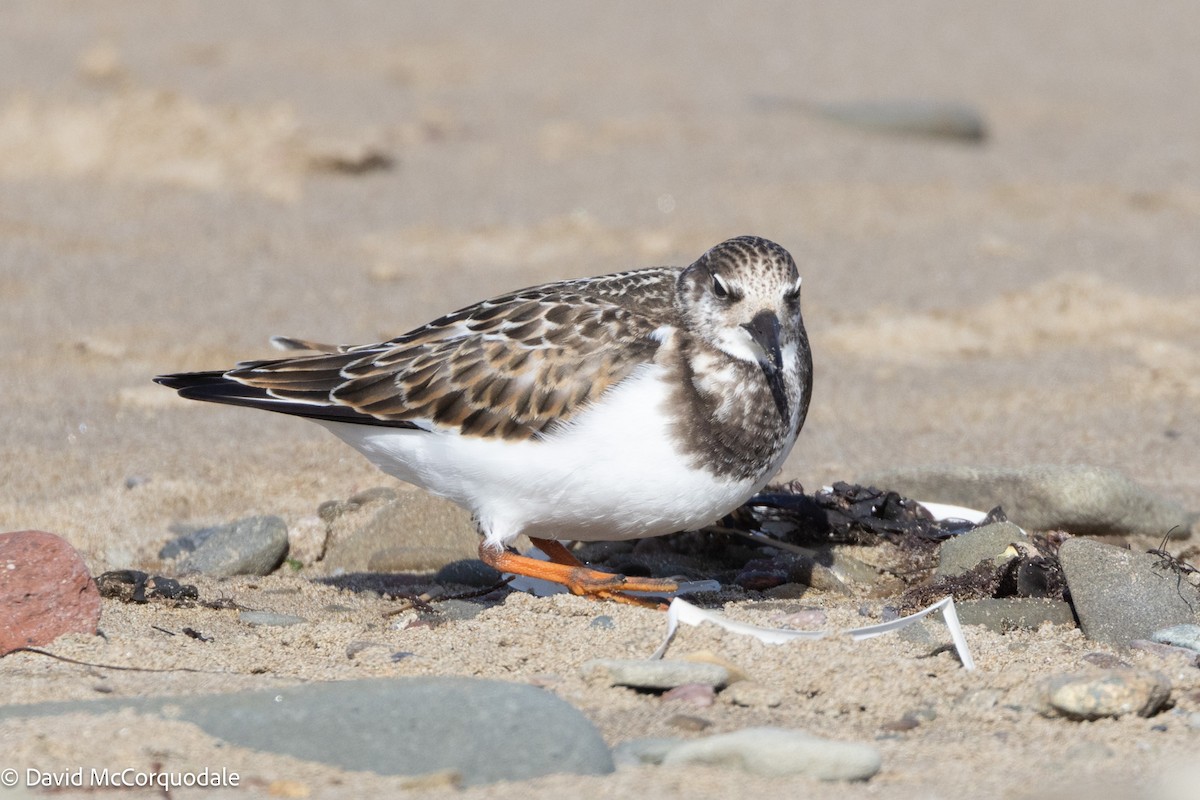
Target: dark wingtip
183 380
216 387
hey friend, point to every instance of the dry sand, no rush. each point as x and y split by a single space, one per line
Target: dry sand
180 181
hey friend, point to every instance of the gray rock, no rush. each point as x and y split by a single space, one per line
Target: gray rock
251 546
484 730
1112 693
653 674
383 530
1006 613
775 752
184 543
1120 595
1186 636
1075 498
269 619
961 553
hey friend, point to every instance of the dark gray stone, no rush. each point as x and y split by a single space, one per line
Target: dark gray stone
654 674
1006 613
251 546
1076 498
1120 595
961 553
774 752
484 730
184 543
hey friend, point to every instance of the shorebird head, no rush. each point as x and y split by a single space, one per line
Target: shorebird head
743 297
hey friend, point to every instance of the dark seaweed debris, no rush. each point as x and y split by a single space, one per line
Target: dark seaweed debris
848 514
135 586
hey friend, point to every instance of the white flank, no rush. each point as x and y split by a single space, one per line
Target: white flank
612 473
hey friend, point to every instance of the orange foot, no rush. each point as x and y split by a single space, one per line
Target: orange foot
579 579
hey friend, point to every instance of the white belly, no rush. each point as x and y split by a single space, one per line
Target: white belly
614 473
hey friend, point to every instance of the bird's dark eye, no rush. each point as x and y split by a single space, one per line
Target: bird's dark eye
792 296
723 292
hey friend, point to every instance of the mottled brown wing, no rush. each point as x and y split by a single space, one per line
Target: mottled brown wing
510 367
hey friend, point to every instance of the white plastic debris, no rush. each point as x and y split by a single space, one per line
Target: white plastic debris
681 611
946 513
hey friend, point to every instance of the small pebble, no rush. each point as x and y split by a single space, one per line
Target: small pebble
906 723
1113 693
805 619
653 674
699 695
251 546
1105 660
604 623
687 722
752 694
1187 636
775 752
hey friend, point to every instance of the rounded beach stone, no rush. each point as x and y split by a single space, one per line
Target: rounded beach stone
483 730
960 554
1186 636
251 546
45 590
1112 693
1120 595
774 752
653 674
384 530
1077 498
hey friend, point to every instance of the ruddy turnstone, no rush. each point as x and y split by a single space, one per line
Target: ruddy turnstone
623 406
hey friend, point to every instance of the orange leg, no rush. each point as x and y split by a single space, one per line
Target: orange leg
579 579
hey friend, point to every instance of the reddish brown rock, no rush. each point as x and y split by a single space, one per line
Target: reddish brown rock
45 590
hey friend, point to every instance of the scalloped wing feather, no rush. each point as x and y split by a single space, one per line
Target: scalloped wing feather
511 367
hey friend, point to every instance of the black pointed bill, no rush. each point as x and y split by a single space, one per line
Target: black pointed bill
764 330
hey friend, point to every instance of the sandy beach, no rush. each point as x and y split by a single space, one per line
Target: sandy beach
179 182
